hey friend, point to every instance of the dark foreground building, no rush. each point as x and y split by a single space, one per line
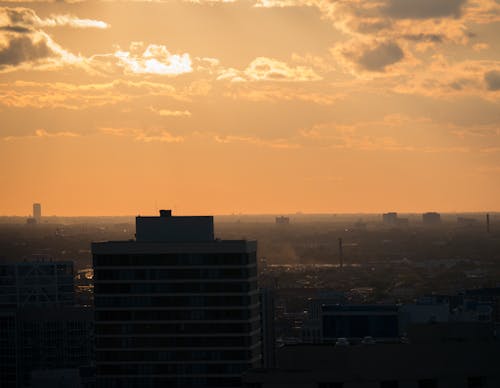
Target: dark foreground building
461 355
40 329
175 307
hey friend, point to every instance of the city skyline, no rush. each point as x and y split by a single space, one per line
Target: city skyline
272 215
249 106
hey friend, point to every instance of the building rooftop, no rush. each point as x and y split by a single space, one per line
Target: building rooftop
169 228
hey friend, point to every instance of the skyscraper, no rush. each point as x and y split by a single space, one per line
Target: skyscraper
37 212
175 307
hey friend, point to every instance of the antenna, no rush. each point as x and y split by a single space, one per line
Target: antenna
341 254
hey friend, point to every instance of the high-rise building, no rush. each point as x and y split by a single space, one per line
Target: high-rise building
37 212
39 282
53 337
39 326
175 307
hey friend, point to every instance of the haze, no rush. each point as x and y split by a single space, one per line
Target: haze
265 106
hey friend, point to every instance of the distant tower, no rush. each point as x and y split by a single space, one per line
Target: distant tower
282 220
37 211
431 218
341 254
488 223
390 218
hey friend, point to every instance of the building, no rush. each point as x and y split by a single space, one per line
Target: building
175 307
431 218
8 349
55 378
268 328
466 221
311 328
53 337
39 326
418 313
485 296
36 283
439 356
390 218
282 220
37 212
359 321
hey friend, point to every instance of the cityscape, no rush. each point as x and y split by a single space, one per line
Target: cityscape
297 300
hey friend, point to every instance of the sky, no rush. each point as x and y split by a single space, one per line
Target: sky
249 106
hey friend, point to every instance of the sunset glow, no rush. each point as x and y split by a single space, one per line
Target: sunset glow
254 106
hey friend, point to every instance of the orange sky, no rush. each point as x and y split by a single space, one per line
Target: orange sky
256 106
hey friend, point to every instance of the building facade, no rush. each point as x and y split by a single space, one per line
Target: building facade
175 308
39 282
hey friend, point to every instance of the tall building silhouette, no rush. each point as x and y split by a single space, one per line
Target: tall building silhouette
40 328
175 307
37 212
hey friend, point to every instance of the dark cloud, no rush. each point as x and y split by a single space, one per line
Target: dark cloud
17 29
423 9
433 38
492 79
23 49
381 56
373 26
20 16
461 84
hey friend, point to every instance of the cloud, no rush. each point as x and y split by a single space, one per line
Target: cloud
24 44
72 21
42 133
482 11
392 133
22 49
381 56
443 78
154 59
26 18
269 69
267 93
425 23
492 79
142 135
373 57
172 113
421 37
423 9
54 95
271 143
